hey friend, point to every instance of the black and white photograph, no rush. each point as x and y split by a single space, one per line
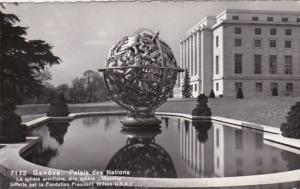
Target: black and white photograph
149 94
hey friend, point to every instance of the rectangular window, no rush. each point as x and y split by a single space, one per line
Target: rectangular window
238 85
257 31
274 86
273 43
288 44
238 42
217 86
270 19
217 41
257 43
217 64
298 19
258 87
238 63
288 64
257 64
284 19
289 87
273 31
273 64
254 18
235 17
195 87
288 32
237 30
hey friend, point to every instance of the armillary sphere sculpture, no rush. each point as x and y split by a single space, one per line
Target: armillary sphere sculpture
140 74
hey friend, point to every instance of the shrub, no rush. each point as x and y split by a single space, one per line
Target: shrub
212 94
58 106
202 109
292 127
11 129
239 93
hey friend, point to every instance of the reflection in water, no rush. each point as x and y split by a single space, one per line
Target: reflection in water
186 125
166 121
143 157
292 160
58 130
42 156
90 121
198 149
202 128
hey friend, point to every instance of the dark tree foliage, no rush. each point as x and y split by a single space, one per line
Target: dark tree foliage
239 93
292 127
11 129
22 60
186 87
212 94
58 106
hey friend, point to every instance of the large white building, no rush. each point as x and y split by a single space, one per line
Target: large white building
255 50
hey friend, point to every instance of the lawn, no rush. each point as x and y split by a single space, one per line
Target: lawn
267 111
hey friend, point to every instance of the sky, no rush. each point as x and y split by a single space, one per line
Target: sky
82 33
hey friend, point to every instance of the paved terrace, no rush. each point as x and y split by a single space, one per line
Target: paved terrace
267 111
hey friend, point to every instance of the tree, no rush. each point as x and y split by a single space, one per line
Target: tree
22 61
186 87
292 127
78 90
64 89
90 77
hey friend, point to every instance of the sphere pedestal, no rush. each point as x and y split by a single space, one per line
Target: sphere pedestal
141 123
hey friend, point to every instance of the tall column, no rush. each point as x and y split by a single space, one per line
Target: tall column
195 53
187 54
190 55
199 62
180 62
207 60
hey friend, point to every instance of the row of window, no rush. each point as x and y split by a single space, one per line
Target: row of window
259 86
258 31
238 64
258 43
288 64
269 18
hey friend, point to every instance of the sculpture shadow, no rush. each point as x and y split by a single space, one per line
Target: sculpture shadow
142 157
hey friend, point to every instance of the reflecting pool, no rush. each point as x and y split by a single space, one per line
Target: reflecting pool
181 149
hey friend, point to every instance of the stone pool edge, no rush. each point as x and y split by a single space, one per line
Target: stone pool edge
10 158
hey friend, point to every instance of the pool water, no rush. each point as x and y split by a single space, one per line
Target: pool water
181 149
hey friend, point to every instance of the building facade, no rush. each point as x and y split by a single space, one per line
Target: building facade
257 51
